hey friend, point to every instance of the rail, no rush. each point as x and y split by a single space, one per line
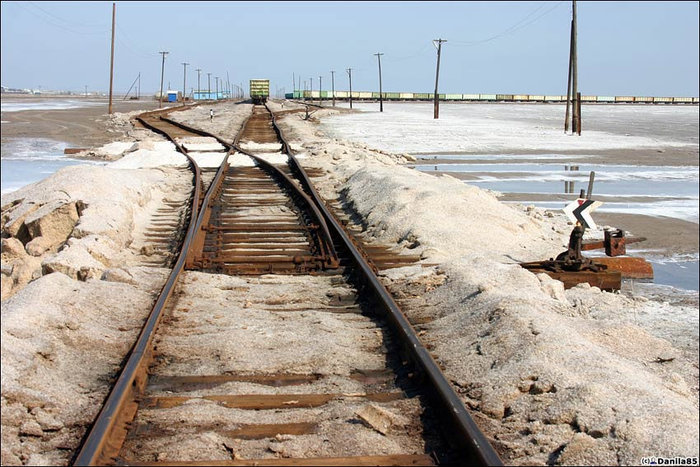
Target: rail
99 446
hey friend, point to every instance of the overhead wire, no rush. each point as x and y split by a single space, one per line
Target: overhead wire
47 17
513 28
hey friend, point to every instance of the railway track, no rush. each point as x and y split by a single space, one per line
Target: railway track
293 353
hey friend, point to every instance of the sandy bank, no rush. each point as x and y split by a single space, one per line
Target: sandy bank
552 376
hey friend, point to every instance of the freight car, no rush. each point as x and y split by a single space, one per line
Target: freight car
259 90
418 96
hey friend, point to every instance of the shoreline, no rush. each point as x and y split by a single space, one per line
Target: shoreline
525 354
77 127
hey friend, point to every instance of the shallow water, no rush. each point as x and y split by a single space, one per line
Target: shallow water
28 160
667 190
679 274
648 190
18 105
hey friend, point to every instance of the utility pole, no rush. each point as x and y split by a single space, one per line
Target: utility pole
568 82
349 70
576 111
294 84
86 90
319 90
333 86
111 63
199 72
209 81
184 81
311 91
436 105
573 97
138 91
381 102
217 88
162 71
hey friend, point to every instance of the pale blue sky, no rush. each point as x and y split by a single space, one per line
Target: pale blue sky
625 48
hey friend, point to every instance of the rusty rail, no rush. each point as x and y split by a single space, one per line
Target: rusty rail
121 403
452 404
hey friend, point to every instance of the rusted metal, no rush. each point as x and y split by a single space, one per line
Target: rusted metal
603 244
474 440
614 242
104 438
629 267
572 268
102 445
388 460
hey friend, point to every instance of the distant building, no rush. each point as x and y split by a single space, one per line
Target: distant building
6 90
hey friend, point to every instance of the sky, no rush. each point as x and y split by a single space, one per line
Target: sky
624 48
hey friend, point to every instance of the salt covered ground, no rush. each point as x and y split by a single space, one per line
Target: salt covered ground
499 128
552 376
77 283
645 160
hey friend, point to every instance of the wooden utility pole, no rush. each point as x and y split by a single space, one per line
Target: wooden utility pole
576 110
162 72
436 105
568 82
320 88
333 86
349 70
379 61
184 80
111 62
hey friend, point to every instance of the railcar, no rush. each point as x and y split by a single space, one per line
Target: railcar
259 90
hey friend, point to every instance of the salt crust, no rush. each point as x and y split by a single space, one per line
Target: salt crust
64 337
552 376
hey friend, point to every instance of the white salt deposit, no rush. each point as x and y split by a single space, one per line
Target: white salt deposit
207 159
241 160
152 154
539 367
483 127
252 146
117 148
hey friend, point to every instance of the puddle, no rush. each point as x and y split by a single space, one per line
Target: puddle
547 181
679 274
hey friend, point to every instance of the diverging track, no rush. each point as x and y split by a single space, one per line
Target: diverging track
292 354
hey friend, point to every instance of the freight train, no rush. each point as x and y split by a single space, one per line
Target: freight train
413 96
259 90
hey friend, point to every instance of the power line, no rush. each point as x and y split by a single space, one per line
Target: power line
97 25
514 28
60 26
135 49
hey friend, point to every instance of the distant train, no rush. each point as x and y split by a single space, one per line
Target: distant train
413 96
259 90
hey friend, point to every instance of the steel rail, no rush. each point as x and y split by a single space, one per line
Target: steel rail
121 399
479 444
121 402
311 204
